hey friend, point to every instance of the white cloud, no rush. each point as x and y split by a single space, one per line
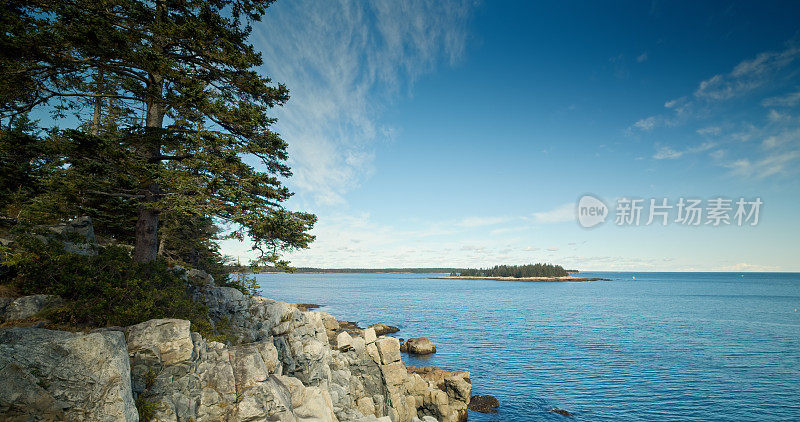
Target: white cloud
560 214
667 153
777 116
343 60
747 75
642 57
717 154
746 267
709 131
788 100
744 78
769 165
778 132
483 221
781 139
646 124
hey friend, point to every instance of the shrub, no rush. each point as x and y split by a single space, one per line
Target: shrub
103 290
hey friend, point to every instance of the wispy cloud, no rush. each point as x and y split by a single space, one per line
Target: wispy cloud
746 267
747 75
729 142
787 100
766 69
647 123
709 131
483 221
668 153
774 163
559 214
342 60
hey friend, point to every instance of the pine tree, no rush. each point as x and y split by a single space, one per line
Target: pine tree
170 101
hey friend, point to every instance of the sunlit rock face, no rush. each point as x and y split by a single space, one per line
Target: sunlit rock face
278 363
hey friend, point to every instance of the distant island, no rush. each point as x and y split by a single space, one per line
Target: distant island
500 271
515 271
529 272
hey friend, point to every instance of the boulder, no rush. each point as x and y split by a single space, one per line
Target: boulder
383 329
366 406
389 349
458 388
28 306
394 373
484 404
77 236
56 375
222 302
80 227
372 418
169 340
200 277
344 341
420 346
369 335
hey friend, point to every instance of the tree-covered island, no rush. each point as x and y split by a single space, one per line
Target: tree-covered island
529 272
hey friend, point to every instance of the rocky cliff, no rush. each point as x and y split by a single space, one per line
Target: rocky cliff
284 365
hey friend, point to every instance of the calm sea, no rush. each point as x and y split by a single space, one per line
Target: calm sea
662 346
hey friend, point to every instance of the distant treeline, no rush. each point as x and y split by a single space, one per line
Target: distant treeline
247 269
518 271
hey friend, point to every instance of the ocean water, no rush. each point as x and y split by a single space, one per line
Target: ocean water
662 346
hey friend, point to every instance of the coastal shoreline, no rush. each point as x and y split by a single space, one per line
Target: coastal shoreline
541 279
271 360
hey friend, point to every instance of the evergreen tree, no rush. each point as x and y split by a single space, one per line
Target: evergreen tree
170 103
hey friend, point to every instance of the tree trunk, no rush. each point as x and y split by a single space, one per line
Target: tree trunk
98 102
146 248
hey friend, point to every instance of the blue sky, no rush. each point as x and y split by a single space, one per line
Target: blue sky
463 133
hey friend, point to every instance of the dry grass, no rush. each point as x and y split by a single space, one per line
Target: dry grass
7 290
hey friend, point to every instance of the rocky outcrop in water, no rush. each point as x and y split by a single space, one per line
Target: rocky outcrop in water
561 412
484 404
383 329
419 346
283 363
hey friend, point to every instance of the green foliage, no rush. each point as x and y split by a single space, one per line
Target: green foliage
190 239
171 108
170 101
103 290
247 284
24 160
150 378
147 408
517 271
